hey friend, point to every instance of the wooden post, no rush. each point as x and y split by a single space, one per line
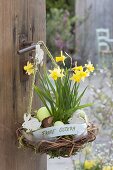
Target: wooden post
18 18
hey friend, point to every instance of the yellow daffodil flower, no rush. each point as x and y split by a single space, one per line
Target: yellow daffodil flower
60 58
78 76
83 75
29 68
88 164
107 168
77 68
56 73
89 67
88 73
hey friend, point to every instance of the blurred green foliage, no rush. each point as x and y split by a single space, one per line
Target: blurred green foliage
62 23
60 30
61 26
60 4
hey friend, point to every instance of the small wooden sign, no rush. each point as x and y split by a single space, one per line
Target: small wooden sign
55 131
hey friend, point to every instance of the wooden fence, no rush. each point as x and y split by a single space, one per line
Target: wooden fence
94 14
18 19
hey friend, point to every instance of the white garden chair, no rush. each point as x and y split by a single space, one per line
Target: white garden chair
104 42
105 47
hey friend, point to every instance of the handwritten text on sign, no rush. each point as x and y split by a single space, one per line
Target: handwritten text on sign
54 131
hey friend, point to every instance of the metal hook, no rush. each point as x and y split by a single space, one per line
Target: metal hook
24 43
27 49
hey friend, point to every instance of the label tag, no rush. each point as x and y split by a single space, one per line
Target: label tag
55 131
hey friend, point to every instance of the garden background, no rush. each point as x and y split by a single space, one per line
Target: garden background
72 26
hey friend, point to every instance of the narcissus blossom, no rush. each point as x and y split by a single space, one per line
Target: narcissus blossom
29 68
56 73
89 67
77 68
60 58
107 168
78 76
88 164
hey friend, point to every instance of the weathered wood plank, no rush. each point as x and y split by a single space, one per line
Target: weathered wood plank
100 16
17 17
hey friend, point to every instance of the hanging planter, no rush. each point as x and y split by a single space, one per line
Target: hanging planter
51 129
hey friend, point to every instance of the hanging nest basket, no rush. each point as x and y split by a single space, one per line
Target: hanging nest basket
63 146
44 137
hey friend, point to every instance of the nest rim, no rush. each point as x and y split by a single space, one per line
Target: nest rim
63 146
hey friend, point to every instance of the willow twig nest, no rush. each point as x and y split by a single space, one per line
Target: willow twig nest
63 146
